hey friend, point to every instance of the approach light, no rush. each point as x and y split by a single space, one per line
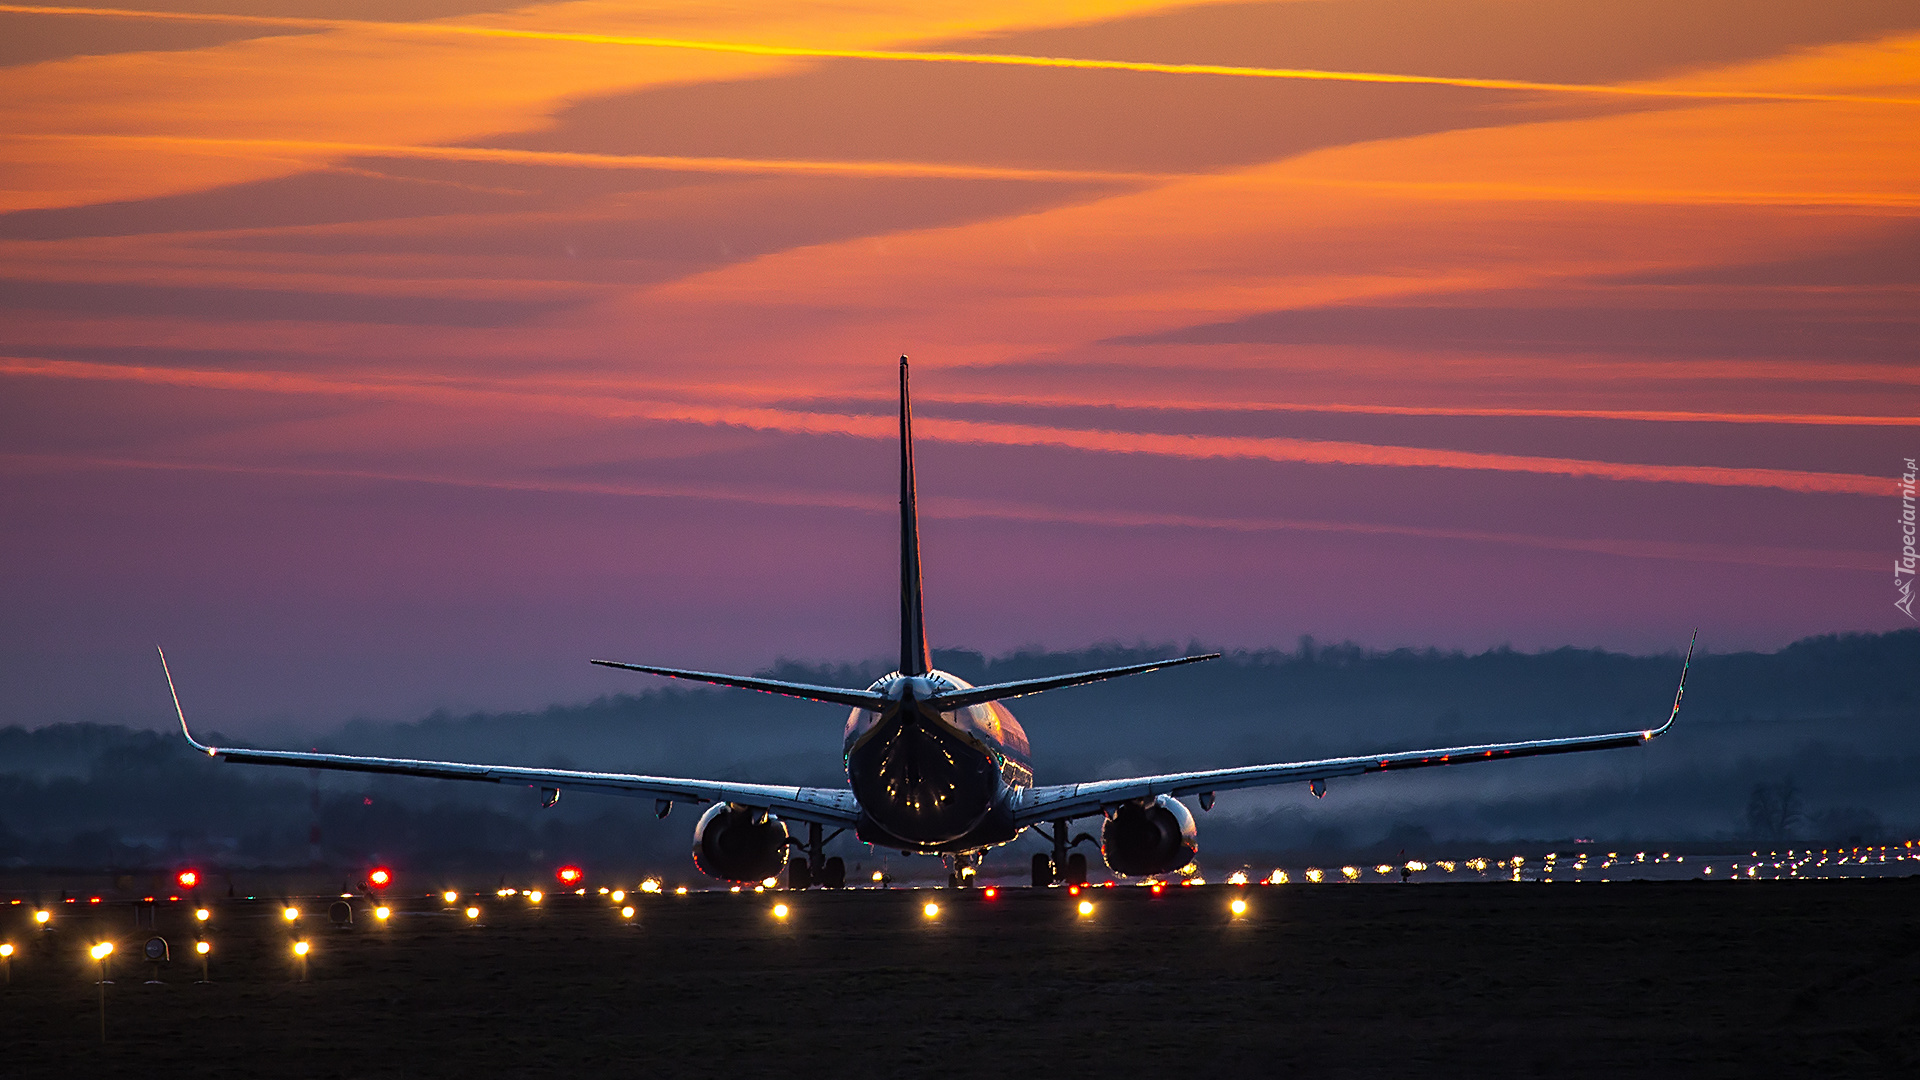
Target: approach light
570 875
450 896
42 916
779 911
187 879
102 950
619 896
301 948
1239 906
380 878
1086 907
627 912
201 947
534 896
932 910
473 913
383 913
202 914
290 913
6 950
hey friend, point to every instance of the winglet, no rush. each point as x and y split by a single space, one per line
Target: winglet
177 710
1677 694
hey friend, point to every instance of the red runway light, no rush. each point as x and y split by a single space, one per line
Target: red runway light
1073 890
1156 889
188 878
380 878
992 892
570 875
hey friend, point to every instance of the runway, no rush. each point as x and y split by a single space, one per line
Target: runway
1702 978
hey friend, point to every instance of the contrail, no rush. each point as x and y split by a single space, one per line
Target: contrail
654 162
291 22
1192 447
968 509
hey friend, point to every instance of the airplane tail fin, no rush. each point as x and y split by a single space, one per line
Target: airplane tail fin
915 657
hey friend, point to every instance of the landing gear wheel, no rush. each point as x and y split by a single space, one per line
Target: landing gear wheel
799 874
834 874
1042 871
1076 869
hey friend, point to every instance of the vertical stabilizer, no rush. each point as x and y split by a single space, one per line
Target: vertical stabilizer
915 659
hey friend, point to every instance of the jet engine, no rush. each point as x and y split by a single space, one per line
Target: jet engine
1149 837
739 843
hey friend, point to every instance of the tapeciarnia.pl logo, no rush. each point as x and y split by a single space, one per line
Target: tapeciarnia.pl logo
1903 566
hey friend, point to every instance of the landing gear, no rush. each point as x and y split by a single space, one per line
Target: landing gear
1061 868
816 867
965 869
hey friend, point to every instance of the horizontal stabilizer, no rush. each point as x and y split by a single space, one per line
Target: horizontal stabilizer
980 695
834 695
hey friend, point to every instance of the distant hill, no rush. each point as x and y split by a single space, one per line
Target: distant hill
1817 742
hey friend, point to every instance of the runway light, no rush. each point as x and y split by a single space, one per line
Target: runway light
290 913
779 911
1157 887
6 950
570 875
991 892
202 914
380 878
1073 890
931 910
473 913
42 917
201 947
301 948
535 896
1239 906
626 912
383 912
619 896
681 891
187 879
102 950
1086 907
450 896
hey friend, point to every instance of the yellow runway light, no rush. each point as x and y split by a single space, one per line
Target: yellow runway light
201 947
473 913
1086 907
619 896
1239 906
383 912
290 913
626 912
102 950
450 896
536 896
6 950
42 917
301 948
779 911
931 910
202 914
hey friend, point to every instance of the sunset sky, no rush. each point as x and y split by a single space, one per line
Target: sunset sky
377 357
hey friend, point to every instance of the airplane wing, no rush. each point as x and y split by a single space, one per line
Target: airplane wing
1067 801
828 806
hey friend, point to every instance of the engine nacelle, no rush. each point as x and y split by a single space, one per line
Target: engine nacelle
1155 837
739 843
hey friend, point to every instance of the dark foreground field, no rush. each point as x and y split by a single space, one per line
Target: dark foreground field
1699 979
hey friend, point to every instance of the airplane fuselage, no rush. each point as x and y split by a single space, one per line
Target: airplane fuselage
934 782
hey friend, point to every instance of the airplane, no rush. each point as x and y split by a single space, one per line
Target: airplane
935 766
